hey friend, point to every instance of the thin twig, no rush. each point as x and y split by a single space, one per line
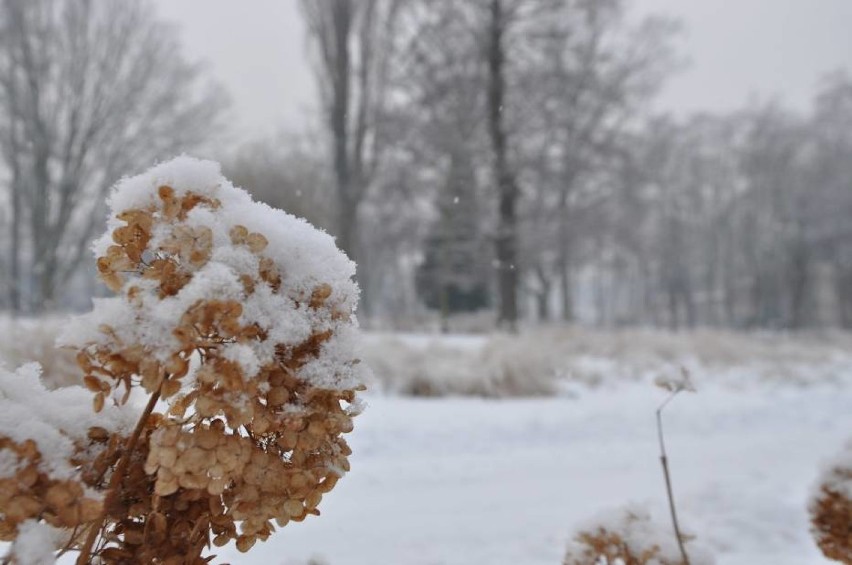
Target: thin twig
664 460
70 543
117 476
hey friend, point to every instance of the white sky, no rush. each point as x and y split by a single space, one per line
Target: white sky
737 49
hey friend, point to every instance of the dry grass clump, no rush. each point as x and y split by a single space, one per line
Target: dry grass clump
831 509
245 414
502 367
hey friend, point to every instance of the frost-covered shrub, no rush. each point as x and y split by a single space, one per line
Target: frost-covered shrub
500 367
234 322
831 508
629 536
540 361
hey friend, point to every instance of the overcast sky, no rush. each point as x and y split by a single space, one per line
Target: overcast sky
736 49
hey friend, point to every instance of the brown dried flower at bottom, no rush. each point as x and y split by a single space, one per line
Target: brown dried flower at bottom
30 492
603 547
629 536
831 516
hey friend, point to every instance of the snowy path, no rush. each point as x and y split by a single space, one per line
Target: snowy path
465 481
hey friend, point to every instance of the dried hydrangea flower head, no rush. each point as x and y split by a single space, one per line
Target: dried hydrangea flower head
628 536
236 320
49 443
831 508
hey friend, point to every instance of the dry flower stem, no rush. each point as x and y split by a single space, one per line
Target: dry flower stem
117 476
664 460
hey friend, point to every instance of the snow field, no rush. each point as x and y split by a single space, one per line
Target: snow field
505 482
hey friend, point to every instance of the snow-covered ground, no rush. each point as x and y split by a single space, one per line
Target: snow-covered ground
505 481
459 481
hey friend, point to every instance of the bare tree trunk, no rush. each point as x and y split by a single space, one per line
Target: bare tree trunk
505 242
566 286
673 309
798 281
347 228
729 285
564 246
353 41
338 116
564 260
648 310
40 140
444 288
15 229
542 294
688 300
601 298
843 284
15 250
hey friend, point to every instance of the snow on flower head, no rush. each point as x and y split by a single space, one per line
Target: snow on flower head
239 318
181 233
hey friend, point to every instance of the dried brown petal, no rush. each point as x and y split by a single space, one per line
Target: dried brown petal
98 402
245 543
238 234
256 242
320 295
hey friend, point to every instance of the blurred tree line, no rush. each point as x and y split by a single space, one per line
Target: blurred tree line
500 156
517 166
89 91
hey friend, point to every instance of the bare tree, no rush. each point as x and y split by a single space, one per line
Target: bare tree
439 79
353 42
596 71
722 227
528 121
88 90
830 176
536 93
506 238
